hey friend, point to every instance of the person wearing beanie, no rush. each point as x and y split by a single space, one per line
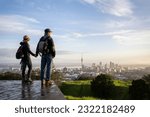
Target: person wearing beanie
46 48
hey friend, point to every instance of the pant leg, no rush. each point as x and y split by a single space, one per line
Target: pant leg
48 71
43 64
23 68
29 68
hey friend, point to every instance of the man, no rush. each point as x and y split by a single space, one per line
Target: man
26 60
47 49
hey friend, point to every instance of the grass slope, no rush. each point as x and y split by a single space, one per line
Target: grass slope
81 90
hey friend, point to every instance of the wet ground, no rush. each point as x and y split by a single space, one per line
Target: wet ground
14 90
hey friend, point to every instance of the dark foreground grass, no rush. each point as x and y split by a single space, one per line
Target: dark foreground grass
121 90
77 90
81 90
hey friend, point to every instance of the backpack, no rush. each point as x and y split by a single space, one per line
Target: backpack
19 53
43 46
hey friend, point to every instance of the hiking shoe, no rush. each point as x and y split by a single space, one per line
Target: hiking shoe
48 82
30 80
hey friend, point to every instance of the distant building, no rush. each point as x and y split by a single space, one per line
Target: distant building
64 70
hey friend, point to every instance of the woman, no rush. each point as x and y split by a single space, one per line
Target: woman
26 60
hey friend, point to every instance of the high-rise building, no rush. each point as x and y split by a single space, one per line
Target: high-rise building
93 66
82 66
100 65
112 65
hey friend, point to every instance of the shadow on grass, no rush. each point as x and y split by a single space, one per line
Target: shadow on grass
120 93
84 90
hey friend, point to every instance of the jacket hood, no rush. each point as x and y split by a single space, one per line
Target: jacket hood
21 43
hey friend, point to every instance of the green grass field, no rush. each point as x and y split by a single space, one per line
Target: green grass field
121 90
81 90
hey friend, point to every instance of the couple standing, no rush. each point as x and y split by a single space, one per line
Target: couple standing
47 49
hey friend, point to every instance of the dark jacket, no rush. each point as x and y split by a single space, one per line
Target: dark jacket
26 52
51 46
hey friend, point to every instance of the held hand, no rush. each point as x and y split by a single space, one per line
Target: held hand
35 55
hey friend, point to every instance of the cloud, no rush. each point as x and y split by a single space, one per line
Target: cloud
7 53
109 33
124 37
18 24
71 36
137 37
78 35
121 24
114 7
130 37
90 1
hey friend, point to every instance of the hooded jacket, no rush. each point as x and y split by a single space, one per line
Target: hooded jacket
26 52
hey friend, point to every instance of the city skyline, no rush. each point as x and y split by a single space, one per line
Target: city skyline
100 30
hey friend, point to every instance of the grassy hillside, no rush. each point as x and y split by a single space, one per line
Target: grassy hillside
81 90
121 90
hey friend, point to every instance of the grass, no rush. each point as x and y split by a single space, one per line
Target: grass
81 90
121 90
122 83
77 90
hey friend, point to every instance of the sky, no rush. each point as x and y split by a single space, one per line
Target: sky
97 30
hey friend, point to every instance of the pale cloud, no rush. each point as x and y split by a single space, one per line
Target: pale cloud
77 35
72 36
114 7
122 37
90 1
18 24
109 33
137 37
121 24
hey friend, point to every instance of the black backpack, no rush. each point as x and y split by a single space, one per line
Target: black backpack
19 53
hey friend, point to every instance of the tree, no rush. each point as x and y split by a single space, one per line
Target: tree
138 90
146 78
57 76
85 77
102 86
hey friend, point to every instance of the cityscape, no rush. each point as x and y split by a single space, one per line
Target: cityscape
122 72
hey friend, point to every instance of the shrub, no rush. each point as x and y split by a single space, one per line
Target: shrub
146 78
10 76
138 90
102 86
84 77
